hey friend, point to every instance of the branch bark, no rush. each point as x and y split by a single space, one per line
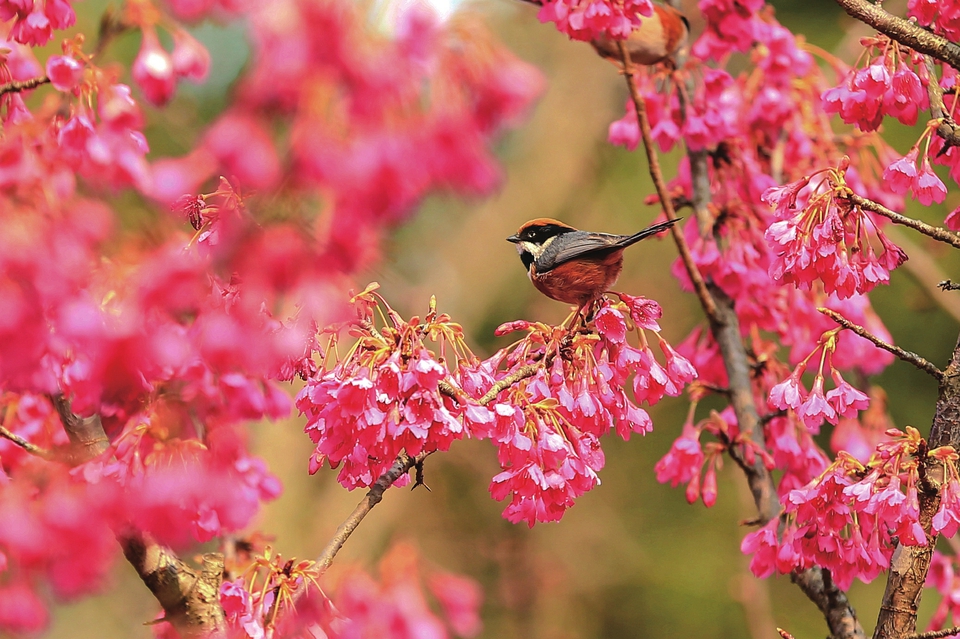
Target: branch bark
190 602
725 326
935 232
903 31
908 570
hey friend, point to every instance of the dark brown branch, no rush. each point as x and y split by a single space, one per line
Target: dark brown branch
948 285
86 433
935 232
909 566
33 449
935 634
947 129
190 602
911 358
832 602
653 162
16 86
903 31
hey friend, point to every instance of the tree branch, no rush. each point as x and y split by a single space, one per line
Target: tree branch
903 31
17 86
33 449
947 129
724 324
707 302
190 603
908 569
935 232
935 634
911 358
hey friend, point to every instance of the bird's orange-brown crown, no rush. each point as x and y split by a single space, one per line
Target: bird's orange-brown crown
542 222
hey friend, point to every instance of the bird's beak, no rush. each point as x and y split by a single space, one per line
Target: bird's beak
514 238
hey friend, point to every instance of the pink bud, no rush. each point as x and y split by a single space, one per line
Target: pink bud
153 70
190 58
64 72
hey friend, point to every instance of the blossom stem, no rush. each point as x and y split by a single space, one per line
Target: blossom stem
935 232
904 31
656 173
33 449
912 358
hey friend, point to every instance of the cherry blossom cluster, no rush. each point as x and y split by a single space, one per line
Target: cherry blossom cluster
285 597
547 427
384 396
35 20
887 85
544 402
821 236
847 519
814 407
368 122
588 19
942 17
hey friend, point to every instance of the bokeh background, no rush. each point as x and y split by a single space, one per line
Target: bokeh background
631 559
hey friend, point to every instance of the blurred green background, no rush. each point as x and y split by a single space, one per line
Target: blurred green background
631 559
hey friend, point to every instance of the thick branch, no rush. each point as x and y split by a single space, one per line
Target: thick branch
912 358
724 324
86 433
653 162
903 31
935 232
190 602
818 586
908 569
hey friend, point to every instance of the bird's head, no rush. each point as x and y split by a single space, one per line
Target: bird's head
535 236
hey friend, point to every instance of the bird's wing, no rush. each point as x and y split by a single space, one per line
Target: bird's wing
573 245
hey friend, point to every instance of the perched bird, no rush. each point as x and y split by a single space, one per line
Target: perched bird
576 267
658 38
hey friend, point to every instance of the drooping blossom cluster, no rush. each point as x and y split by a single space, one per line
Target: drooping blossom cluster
815 407
821 236
271 594
943 576
544 402
846 520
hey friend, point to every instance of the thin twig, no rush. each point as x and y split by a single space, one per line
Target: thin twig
904 31
653 162
400 467
912 358
948 285
935 634
16 86
520 374
33 449
935 232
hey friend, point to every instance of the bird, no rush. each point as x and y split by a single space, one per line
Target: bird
658 38
573 266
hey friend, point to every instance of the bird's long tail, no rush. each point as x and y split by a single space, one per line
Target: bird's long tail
647 232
